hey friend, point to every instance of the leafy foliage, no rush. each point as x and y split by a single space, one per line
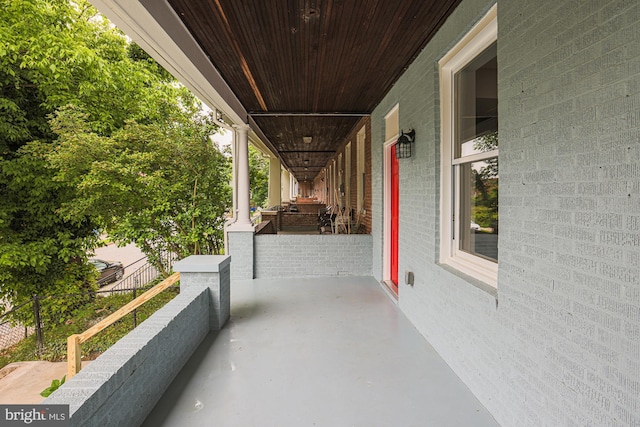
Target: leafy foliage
39 250
46 58
485 199
55 384
85 316
162 185
488 142
57 52
58 55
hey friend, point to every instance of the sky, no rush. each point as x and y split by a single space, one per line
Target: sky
222 138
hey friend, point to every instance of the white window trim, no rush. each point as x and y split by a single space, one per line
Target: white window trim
481 36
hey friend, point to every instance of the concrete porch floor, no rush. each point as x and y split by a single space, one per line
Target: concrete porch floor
316 352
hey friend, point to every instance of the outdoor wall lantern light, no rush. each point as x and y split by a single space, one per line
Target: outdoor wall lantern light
403 144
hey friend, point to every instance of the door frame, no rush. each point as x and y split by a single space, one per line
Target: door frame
386 261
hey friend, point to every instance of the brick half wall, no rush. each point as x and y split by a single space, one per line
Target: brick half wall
312 255
123 385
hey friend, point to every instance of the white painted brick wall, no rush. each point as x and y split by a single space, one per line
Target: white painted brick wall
123 385
220 290
291 255
241 250
562 347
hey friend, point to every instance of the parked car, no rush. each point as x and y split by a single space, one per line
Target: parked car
110 271
474 226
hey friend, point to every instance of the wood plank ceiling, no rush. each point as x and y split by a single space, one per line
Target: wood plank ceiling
311 67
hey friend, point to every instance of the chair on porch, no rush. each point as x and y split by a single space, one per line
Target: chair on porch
342 223
326 219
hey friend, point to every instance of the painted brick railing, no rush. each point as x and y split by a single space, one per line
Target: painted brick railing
74 342
284 255
122 386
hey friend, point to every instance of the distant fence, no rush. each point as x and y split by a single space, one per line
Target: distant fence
143 273
44 311
10 332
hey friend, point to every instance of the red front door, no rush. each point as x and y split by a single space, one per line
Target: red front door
395 215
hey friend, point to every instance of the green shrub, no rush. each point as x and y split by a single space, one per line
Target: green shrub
55 384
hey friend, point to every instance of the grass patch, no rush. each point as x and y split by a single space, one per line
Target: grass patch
55 336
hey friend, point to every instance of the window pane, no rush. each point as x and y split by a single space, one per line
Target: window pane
476 104
478 227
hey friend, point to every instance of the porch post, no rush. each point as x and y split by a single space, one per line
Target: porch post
240 233
243 220
274 182
211 271
286 186
293 192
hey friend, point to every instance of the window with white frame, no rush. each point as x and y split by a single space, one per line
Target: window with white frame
469 155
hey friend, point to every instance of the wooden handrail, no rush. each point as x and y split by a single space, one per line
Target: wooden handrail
74 342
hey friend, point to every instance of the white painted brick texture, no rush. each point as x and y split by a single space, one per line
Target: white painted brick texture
290 255
241 251
562 347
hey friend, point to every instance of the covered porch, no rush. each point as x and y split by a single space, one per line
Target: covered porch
547 335
332 351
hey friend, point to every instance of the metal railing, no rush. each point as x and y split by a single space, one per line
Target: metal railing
144 272
11 331
35 314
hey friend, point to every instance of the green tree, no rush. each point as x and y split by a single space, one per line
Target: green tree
40 252
50 55
56 53
485 203
163 185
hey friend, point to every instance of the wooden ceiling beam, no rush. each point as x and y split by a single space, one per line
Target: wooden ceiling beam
306 114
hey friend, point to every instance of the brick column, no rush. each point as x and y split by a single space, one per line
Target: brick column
240 247
214 272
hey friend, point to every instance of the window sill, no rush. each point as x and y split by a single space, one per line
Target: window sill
474 281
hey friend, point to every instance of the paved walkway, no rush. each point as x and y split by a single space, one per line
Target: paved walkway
22 382
317 352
